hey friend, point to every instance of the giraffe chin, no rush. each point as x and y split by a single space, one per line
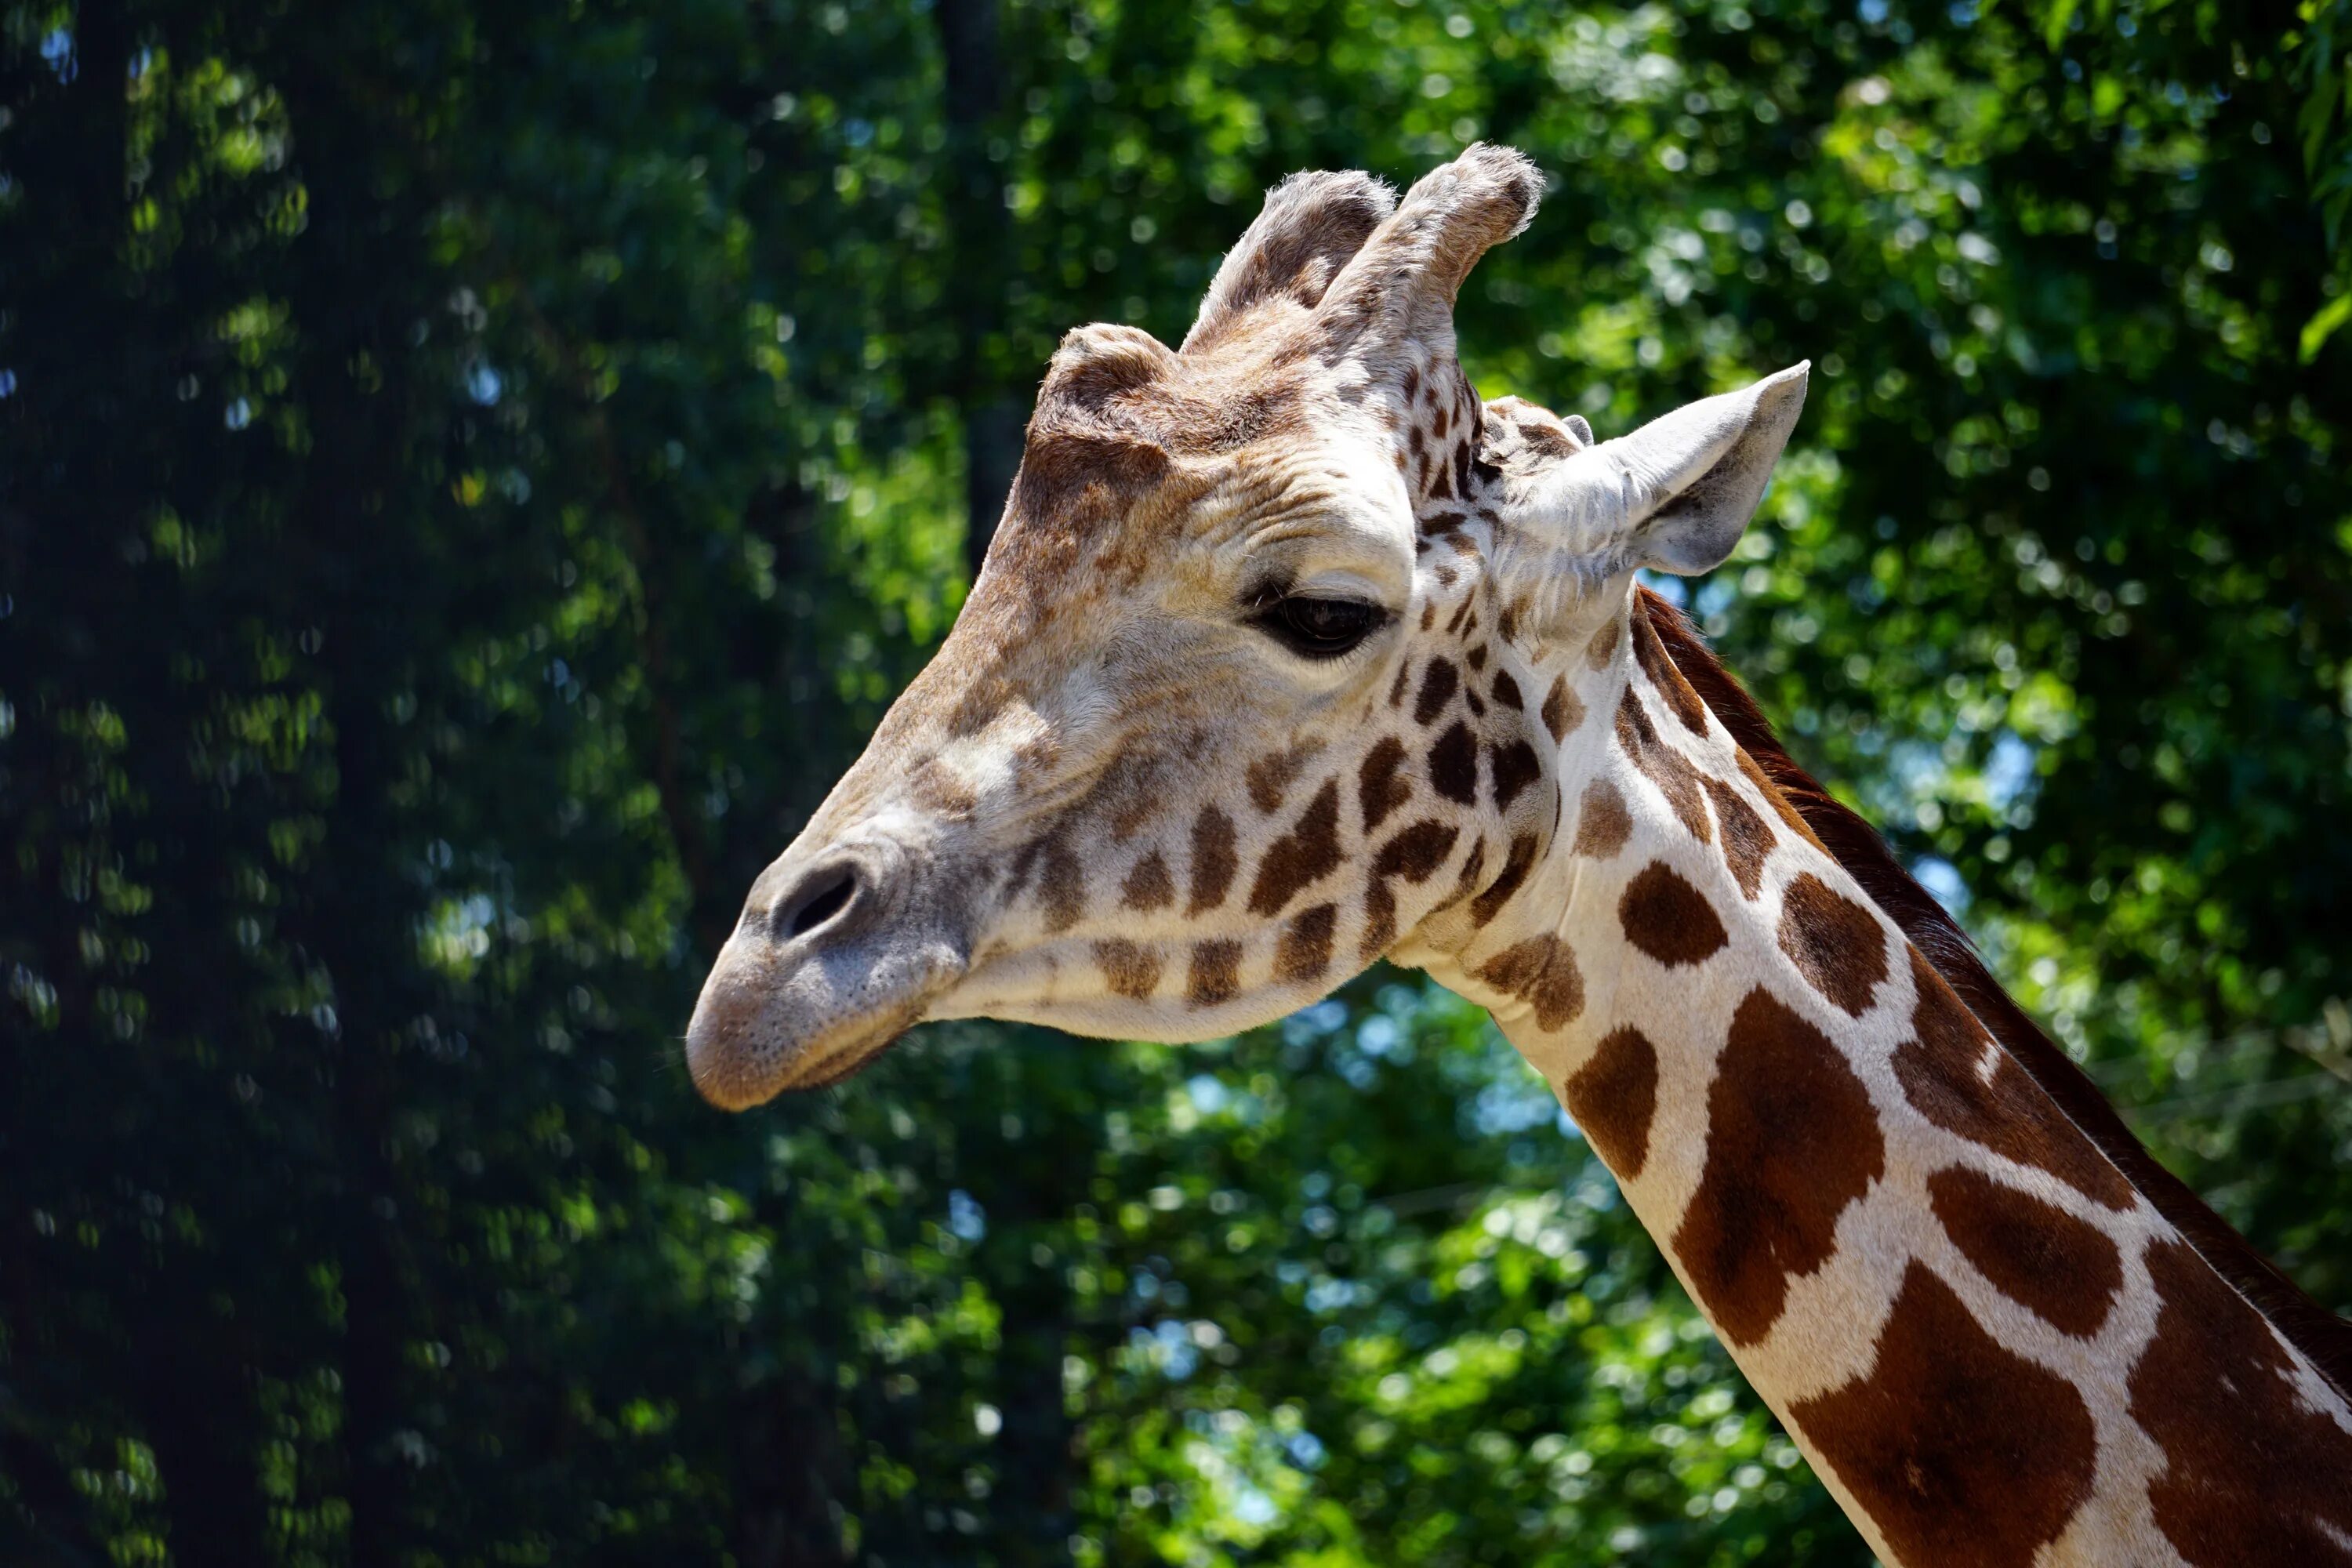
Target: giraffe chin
756 1033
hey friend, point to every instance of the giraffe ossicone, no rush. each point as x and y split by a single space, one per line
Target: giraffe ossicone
1290 654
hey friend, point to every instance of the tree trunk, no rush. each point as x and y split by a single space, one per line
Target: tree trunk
992 418
349 537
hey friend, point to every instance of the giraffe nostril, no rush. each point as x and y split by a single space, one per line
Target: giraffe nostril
816 902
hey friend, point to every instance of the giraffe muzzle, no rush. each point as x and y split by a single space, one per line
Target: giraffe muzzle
837 953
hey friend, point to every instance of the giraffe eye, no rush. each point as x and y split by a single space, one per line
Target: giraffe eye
1320 628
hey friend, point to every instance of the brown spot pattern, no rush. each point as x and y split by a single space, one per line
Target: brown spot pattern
1963 1453
1563 709
1672 689
1780 804
1602 823
1437 686
1414 853
1542 973
1300 857
1603 646
2254 1475
1216 975
1466 878
1612 1098
1662 766
1836 944
1453 764
1213 860
1378 787
1304 950
1747 840
1061 885
2009 1114
1507 691
937 789
1379 921
1149 886
1667 918
2063 1269
1515 767
1791 1140
1545 441
1128 968
1271 776
1516 867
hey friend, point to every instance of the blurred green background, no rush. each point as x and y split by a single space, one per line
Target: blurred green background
471 471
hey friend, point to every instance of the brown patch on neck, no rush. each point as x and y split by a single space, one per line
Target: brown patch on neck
1661 766
1747 840
1791 1140
1603 646
2254 1476
2319 1334
1562 710
1602 822
2063 1269
1542 973
1942 1070
1836 944
1668 918
1961 1451
1612 1098
1672 689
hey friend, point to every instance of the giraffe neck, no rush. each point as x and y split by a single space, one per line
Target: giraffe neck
1985 1336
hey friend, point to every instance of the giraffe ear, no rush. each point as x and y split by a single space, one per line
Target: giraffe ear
1674 496
1311 224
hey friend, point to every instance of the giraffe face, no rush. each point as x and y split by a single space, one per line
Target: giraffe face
1252 687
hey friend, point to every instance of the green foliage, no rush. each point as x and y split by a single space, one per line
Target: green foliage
475 469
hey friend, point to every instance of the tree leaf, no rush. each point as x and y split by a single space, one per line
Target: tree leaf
2323 321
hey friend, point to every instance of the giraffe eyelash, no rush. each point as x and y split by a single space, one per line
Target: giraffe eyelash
1316 628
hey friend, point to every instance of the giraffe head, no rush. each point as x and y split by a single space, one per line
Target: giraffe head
1261 678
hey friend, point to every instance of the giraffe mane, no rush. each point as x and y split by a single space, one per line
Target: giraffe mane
2318 1333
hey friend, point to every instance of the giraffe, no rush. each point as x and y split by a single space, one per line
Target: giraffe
1291 654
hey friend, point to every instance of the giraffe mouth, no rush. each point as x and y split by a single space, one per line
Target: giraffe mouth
759 1033
816 983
